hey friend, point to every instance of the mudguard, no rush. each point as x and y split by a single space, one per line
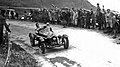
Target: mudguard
31 35
65 36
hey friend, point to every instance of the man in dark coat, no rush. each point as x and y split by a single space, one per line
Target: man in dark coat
2 24
99 17
88 16
79 18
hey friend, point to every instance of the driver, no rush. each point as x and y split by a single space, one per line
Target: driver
45 31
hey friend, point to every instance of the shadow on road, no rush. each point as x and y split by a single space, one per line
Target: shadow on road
57 50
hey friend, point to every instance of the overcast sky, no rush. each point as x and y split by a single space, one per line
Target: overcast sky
109 4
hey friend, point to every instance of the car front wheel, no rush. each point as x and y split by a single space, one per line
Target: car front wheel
65 43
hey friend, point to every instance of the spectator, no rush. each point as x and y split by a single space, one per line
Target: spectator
2 24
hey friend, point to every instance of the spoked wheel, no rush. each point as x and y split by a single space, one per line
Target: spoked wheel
43 47
32 41
65 43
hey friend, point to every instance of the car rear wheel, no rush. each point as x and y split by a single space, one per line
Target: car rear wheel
32 41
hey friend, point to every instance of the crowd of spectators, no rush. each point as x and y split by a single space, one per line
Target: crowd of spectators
99 19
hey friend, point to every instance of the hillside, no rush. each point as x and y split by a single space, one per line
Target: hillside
47 3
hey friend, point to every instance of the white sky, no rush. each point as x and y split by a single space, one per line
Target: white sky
109 4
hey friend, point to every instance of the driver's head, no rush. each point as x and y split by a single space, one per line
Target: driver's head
108 10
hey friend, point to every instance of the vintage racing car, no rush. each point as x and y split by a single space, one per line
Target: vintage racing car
44 42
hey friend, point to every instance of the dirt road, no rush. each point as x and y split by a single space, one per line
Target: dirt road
87 48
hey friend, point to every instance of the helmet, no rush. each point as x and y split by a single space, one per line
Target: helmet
108 10
47 24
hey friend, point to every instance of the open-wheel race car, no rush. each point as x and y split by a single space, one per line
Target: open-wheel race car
44 42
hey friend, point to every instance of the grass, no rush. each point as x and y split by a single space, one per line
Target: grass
18 58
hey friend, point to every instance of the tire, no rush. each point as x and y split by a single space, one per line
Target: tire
65 43
32 41
43 48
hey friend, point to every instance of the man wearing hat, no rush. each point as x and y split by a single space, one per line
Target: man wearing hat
99 17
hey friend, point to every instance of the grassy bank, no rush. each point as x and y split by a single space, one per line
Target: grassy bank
18 58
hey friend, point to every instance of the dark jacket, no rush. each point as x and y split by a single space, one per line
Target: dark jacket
2 24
